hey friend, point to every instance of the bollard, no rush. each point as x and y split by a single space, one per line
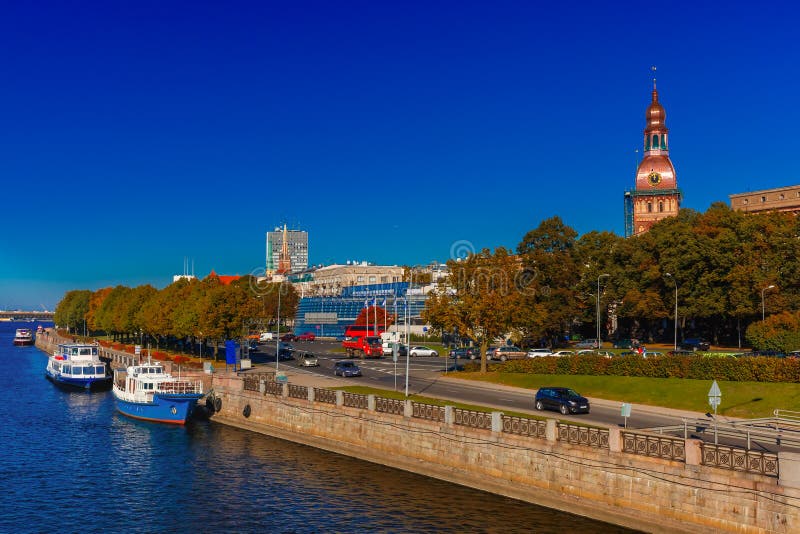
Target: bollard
310 394
551 431
408 409
449 415
339 398
285 390
371 402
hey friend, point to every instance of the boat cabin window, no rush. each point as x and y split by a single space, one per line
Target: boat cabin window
77 370
66 369
99 370
88 370
85 351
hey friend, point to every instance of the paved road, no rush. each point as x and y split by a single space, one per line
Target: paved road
427 377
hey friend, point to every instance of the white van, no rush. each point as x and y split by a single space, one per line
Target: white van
266 336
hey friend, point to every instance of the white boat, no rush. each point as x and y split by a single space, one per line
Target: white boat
146 391
77 366
23 336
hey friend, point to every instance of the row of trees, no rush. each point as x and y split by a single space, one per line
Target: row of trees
187 310
722 262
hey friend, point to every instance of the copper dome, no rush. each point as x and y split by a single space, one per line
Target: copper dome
660 164
655 116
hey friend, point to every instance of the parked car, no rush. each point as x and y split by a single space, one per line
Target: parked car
306 336
564 400
681 352
562 353
626 343
536 353
508 352
653 354
307 359
694 343
590 343
466 352
420 350
288 337
346 368
266 336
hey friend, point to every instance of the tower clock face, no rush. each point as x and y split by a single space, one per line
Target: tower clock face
654 178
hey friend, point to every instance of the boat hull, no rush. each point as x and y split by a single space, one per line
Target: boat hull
79 384
165 408
23 342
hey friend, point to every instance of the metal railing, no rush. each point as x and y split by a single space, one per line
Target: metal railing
327 396
298 392
354 400
737 459
273 388
180 387
654 445
472 418
524 427
784 429
392 406
583 435
427 411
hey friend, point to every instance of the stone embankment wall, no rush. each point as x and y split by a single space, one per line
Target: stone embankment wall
559 466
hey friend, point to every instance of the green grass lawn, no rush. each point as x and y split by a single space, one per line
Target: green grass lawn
739 399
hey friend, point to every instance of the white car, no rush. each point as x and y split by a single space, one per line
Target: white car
561 353
422 351
536 353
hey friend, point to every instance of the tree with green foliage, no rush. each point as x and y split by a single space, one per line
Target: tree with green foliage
71 312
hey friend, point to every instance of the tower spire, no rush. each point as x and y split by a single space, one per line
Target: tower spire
653 69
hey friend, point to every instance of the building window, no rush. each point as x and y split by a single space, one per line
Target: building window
384 279
763 199
360 279
649 207
372 279
663 141
655 141
746 201
782 196
661 207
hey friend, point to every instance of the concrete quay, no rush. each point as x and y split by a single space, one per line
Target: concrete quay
593 473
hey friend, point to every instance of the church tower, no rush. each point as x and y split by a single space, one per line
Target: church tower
656 195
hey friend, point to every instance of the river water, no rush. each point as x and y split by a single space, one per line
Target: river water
70 463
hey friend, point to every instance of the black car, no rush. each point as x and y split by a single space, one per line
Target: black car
466 352
564 400
694 343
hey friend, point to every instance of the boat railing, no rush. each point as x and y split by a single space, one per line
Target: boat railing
180 387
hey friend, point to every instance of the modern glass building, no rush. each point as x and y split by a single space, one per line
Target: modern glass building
329 316
297 247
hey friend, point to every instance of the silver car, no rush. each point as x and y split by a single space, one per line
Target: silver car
307 359
422 351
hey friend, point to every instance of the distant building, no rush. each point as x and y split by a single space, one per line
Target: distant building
176 277
779 199
656 195
225 279
332 280
287 251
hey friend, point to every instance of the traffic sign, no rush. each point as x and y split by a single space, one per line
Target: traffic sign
626 409
137 350
714 396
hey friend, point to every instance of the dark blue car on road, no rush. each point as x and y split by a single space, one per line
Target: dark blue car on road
564 400
346 368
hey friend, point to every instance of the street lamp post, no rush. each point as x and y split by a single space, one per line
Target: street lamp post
599 343
278 336
676 310
771 286
408 333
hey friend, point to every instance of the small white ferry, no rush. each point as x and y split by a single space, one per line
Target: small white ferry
23 336
146 391
78 366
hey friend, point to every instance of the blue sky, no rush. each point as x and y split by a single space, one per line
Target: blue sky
134 134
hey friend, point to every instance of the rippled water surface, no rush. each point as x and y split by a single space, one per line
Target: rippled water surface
72 464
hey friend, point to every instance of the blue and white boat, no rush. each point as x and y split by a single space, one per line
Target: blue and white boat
77 366
146 391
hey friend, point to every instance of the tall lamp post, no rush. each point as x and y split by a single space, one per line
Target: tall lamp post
278 336
676 310
771 286
408 333
599 343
